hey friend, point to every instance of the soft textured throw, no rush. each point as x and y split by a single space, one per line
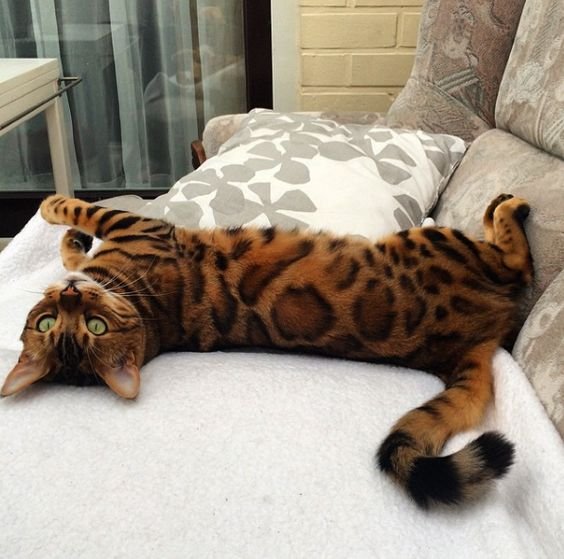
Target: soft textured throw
247 454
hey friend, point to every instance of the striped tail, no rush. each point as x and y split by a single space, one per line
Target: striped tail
410 453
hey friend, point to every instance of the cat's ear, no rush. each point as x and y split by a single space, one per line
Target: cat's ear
26 372
124 380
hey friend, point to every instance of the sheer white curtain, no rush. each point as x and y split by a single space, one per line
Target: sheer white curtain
154 72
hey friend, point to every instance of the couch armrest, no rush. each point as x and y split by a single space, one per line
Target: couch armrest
199 154
218 130
539 350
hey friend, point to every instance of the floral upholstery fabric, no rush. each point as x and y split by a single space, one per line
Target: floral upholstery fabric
462 50
531 95
499 162
540 350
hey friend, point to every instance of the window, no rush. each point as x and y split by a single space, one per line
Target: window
153 74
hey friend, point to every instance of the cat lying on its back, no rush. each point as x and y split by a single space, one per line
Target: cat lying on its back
427 298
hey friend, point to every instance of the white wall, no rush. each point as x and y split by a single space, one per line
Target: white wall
285 54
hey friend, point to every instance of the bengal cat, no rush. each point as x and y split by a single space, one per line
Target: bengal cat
427 298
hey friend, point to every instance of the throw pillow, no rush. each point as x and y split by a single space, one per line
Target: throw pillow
299 170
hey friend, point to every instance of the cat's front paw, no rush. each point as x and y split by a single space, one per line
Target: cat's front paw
48 208
77 241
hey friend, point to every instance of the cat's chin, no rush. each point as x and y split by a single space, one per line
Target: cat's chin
74 378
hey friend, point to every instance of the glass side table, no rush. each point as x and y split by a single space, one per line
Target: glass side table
29 86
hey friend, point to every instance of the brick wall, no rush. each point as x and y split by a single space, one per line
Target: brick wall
355 54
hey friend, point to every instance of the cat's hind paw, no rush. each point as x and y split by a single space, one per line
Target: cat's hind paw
495 203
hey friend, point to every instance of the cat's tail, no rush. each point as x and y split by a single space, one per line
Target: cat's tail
454 479
410 453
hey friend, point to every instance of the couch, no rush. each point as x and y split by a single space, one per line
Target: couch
261 454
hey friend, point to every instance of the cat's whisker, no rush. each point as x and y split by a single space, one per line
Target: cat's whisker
115 277
109 281
30 290
141 294
124 285
114 290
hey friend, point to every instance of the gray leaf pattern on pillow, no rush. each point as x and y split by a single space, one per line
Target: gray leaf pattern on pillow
293 200
238 173
339 152
300 148
391 173
228 200
438 158
258 165
265 149
412 209
293 172
394 152
308 139
402 218
188 212
246 212
275 154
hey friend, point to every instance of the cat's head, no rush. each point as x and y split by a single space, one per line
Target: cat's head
80 333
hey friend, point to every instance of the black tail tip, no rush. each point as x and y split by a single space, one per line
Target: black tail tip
434 479
495 451
461 476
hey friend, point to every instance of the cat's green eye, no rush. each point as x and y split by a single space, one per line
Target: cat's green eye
45 323
97 326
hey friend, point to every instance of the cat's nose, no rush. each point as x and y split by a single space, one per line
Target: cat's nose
70 289
70 296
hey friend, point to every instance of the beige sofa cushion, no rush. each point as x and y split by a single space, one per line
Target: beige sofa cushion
499 162
531 96
540 350
462 50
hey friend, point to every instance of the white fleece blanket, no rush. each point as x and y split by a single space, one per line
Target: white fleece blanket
247 455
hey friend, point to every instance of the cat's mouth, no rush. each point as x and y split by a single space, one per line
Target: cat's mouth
74 376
